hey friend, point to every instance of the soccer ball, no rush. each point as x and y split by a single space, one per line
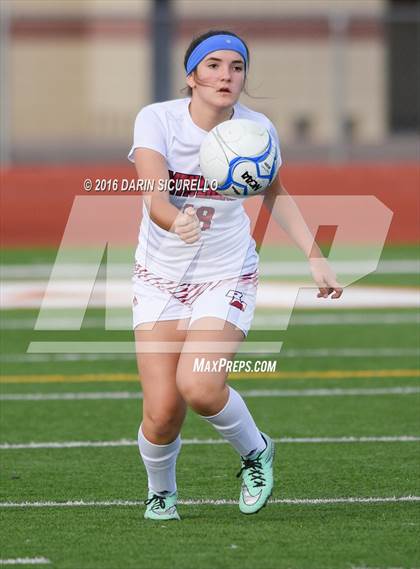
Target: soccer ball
241 156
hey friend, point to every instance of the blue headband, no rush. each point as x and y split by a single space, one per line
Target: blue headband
215 43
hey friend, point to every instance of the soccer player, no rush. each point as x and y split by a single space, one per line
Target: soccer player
196 276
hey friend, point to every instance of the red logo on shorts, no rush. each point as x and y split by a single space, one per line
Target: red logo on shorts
236 301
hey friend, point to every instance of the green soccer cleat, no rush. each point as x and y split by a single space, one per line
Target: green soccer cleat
161 508
257 479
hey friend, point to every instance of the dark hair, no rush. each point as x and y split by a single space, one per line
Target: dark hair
196 41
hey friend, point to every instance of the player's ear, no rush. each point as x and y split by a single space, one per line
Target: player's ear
191 80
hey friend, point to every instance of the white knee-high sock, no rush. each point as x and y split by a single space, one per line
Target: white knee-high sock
160 463
236 425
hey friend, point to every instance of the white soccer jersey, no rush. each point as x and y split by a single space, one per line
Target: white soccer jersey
226 248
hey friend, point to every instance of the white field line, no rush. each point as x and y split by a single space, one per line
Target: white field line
288 501
25 561
282 440
366 567
100 395
342 319
351 352
276 321
128 353
299 268
267 268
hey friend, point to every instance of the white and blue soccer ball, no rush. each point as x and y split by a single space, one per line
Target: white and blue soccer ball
240 156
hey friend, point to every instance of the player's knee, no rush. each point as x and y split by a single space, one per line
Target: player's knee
163 421
199 395
186 387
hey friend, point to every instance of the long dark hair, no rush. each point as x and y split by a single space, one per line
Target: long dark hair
197 40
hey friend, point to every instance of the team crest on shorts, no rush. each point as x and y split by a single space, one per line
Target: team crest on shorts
135 301
236 301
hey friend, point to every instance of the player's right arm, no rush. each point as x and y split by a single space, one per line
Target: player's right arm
151 165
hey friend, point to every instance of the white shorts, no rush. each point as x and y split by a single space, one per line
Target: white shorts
157 299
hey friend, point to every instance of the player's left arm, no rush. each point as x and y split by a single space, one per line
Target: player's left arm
286 212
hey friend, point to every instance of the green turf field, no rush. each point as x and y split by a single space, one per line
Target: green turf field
343 406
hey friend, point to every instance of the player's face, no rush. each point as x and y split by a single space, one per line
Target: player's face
219 78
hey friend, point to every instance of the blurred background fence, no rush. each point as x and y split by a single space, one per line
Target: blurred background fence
340 80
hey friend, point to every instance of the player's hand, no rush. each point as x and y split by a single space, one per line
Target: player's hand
325 278
187 226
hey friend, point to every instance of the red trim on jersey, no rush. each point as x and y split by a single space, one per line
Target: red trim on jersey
194 188
186 293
